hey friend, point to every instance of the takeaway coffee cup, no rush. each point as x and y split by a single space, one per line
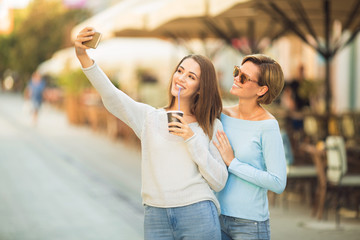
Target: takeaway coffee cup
172 118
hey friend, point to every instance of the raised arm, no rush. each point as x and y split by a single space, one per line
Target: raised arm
117 102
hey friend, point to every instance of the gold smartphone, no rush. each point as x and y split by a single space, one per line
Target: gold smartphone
94 42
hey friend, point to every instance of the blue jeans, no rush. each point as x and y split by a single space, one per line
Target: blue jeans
242 229
198 221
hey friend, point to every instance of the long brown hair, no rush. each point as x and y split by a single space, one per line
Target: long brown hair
206 103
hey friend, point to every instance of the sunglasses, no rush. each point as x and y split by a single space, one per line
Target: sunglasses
243 77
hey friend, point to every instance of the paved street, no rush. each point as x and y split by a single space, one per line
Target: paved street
63 182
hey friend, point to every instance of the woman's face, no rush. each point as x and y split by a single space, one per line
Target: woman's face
248 89
186 77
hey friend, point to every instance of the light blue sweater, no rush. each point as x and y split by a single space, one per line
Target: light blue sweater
259 165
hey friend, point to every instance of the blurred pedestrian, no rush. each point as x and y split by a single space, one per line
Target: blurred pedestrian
296 99
35 92
252 148
180 165
301 90
300 95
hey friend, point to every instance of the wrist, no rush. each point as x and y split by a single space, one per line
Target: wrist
189 137
228 162
85 60
82 55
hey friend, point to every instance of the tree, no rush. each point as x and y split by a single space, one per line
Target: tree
40 30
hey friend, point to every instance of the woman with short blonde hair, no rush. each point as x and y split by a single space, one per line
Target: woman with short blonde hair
252 148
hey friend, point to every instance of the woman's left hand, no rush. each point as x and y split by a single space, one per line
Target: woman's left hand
224 147
181 128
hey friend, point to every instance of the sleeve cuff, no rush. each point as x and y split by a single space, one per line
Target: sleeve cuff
91 67
232 163
192 137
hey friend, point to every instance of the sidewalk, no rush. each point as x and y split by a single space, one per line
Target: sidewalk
59 181
295 223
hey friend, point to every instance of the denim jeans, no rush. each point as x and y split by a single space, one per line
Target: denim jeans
243 229
198 221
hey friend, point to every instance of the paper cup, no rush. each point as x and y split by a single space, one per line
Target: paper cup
172 118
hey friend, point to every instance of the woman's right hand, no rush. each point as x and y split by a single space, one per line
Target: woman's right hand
80 49
224 147
84 35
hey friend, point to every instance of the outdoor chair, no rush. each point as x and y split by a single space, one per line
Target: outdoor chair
343 184
348 128
301 178
335 184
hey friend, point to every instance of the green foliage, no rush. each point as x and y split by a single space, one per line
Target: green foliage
73 82
39 31
6 44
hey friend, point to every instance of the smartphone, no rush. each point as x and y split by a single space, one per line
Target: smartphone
94 42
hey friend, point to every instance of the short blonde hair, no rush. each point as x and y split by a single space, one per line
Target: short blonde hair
271 75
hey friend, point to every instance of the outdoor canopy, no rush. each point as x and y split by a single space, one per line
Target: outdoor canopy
247 25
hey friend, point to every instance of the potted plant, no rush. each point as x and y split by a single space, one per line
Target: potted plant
73 83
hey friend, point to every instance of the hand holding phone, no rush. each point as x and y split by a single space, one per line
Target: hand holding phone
94 42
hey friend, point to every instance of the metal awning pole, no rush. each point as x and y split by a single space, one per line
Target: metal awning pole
327 56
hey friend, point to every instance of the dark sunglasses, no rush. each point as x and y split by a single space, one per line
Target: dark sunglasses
243 77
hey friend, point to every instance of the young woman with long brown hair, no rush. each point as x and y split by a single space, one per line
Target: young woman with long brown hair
181 168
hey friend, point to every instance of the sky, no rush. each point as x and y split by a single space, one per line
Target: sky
6 19
16 3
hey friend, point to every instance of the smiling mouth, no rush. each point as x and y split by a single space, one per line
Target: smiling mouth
235 85
179 86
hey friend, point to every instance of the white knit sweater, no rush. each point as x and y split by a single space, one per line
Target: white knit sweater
174 172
